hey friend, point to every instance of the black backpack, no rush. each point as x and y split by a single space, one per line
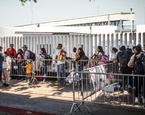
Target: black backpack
32 55
84 61
139 64
48 60
124 58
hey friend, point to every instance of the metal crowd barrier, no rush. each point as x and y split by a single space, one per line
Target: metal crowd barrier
91 82
46 68
100 88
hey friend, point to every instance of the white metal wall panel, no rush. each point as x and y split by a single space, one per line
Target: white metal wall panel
107 46
88 41
116 40
112 42
143 38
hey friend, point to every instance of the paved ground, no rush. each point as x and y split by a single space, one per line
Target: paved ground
49 99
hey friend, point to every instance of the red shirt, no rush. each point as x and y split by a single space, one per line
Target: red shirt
11 52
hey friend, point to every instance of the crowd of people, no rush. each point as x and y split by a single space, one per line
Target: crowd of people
127 60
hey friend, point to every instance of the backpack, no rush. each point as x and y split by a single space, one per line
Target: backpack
124 58
104 59
49 59
32 55
84 61
139 64
143 61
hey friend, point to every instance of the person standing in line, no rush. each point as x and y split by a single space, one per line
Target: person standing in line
1 64
26 52
102 57
60 59
74 52
78 60
113 56
134 49
123 58
19 61
73 55
11 51
113 59
144 48
43 63
138 69
6 69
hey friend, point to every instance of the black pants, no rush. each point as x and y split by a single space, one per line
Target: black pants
0 75
139 83
127 80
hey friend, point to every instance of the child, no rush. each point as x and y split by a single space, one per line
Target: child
28 69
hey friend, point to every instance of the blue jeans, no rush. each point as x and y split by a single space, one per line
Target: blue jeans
80 68
44 72
61 72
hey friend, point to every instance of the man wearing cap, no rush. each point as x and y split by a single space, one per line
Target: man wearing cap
11 51
26 52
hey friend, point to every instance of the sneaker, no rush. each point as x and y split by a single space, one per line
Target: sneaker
29 83
125 92
143 100
57 83
136 100
44 80
6 85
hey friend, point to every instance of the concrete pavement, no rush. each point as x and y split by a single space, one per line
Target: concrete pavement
50 99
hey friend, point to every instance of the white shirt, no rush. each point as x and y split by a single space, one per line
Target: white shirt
73 54
100 53
57 53
7 63
113 56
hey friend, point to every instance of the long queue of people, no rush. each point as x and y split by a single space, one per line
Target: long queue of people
128 61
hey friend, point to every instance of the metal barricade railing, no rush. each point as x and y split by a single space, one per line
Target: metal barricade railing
99 88
47 68
43 69
91 82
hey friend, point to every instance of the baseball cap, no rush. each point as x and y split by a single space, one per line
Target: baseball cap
24 46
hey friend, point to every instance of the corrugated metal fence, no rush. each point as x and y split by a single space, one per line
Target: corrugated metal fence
89 42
